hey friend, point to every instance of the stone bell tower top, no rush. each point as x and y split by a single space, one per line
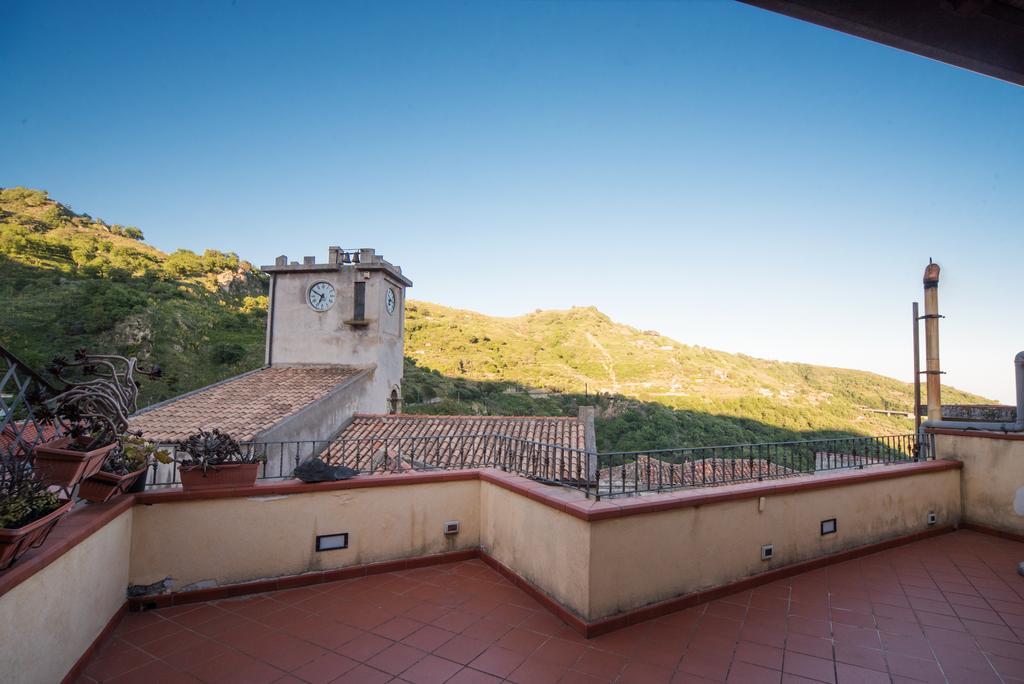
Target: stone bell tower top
349 311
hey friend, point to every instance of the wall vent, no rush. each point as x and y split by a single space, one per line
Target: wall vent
931 517
451 527
767 552
828 526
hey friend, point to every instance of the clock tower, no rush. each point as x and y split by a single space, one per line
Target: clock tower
349 311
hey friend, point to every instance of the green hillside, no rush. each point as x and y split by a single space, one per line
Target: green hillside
69 281
651 390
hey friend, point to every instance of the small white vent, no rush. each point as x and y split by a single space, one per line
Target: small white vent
451 527
931 517
767 552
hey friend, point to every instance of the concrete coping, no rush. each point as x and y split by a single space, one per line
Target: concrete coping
982 434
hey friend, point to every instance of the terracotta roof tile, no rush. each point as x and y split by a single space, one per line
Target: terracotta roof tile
242 406
18 437
383 442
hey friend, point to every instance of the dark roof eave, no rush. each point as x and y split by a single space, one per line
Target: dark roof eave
989 40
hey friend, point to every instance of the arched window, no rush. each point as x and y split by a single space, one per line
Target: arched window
394 401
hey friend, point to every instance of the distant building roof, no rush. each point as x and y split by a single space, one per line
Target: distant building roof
18 437
385 442
560 430
242 406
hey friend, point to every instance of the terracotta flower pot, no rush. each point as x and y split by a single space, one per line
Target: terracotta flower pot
59 465
15 542
219 477
103 486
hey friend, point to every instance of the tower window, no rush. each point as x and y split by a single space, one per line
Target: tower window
393 402
359 310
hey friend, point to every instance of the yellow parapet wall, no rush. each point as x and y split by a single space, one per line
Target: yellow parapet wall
546 547
642 559
49 620
593 568
213 542
992 480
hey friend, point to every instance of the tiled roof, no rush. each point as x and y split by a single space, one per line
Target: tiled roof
17 438
648 473
566 432
242 406
382 442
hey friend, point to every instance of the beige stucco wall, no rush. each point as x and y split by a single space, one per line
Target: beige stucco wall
647 558
224 541
547 547
51 618
992 479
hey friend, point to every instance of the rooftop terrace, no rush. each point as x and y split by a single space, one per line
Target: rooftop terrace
946 609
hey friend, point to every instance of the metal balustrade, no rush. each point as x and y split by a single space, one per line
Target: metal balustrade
601 475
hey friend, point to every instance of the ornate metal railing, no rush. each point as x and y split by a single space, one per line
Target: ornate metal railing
22 421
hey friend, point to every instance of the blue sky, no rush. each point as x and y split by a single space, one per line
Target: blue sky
727 176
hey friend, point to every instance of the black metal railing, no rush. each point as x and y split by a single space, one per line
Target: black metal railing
372 455
609 474
640 472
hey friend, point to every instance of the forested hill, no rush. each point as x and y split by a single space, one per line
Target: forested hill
68 281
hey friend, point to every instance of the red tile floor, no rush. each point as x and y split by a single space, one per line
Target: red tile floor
946 609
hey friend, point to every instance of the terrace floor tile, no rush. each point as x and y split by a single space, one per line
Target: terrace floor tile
905 614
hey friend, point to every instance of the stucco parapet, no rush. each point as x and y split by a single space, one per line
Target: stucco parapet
83 521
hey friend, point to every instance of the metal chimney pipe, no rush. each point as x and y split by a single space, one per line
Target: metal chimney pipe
917 368
931 340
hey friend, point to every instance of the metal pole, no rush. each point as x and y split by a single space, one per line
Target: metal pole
917 371
931 341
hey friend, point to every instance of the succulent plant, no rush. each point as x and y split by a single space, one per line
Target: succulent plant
134 452
23 496
208 449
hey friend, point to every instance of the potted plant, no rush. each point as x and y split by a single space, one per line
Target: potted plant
215 460
125 466
28 509
100 393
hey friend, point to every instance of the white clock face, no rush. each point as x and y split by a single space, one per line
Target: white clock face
321 296
389 301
